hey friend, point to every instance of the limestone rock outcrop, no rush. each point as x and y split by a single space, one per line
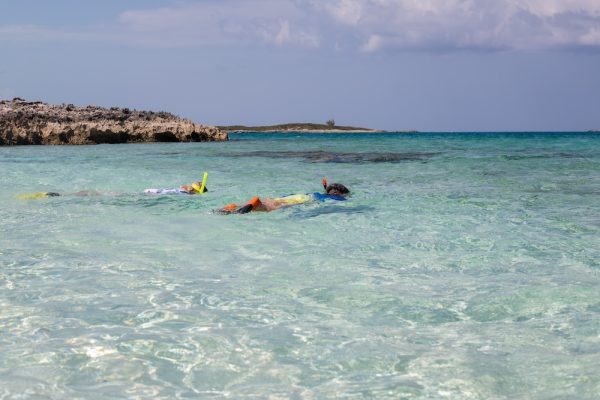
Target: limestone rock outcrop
23 123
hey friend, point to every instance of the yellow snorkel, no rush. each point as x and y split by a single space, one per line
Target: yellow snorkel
200 188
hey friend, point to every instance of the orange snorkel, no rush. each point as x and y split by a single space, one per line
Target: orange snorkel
325 184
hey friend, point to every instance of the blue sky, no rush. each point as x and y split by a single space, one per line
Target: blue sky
431 65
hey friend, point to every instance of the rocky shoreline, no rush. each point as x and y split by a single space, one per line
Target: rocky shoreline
37 123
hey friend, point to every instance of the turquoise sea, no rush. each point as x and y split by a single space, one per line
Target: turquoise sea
464 266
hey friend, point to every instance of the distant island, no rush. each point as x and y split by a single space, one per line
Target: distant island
297 127
34 122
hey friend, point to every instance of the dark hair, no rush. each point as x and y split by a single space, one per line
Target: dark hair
337 189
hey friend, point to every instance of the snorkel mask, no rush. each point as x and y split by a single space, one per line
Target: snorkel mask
200 188
197 188
335 189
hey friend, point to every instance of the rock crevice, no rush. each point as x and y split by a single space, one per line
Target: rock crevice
35 122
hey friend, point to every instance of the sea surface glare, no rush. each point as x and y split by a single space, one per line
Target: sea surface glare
464 266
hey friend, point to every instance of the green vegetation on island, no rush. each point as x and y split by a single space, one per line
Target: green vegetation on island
329 126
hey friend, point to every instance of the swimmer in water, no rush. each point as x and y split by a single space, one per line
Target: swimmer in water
335 191
193 188
198 187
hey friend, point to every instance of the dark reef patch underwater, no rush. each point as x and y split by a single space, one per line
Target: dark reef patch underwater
335 157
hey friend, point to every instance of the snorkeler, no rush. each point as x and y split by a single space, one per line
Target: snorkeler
335 191
81 193
193 188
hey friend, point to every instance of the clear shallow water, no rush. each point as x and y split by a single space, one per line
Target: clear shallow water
465 266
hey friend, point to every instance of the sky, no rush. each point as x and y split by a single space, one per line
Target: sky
427 65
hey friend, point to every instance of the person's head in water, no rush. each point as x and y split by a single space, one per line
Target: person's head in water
196 186
337 189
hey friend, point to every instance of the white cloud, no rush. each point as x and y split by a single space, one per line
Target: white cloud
366 25
346 11
592 38
466 24
278 22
